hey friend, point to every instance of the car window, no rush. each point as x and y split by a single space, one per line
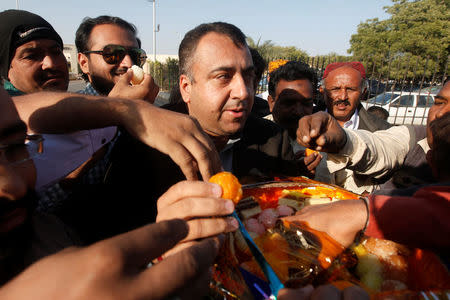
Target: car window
383 99
425 101
404 101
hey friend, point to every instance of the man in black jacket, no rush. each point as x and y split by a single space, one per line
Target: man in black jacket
216 84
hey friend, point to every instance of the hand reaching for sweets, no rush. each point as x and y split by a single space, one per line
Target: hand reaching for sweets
201 205
320 131
341 220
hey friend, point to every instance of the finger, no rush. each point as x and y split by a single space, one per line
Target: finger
314 163
147 81
176 272
202 155
322 142
125 78
355 292
152 87
185 189
296 294
179 247
184 159
202 228
319 122
310 158
326 292
191 207
303 131
140 246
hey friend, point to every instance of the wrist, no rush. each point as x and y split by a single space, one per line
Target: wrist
364 213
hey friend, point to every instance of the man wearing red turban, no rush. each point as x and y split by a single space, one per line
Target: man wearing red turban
343 84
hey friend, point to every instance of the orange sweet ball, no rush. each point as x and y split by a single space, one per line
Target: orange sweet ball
308 152
231 188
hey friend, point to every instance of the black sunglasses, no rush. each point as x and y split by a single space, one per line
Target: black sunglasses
114 54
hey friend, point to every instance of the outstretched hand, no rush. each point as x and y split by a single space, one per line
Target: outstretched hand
198 203
116 268
321 132
174 134
341 220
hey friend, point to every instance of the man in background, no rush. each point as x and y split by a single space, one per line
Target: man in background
343 85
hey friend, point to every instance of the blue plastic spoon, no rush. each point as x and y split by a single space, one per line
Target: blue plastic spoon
274 282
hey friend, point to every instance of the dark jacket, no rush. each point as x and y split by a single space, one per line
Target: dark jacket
139 175
370 122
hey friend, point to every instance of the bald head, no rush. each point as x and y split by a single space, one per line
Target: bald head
342 90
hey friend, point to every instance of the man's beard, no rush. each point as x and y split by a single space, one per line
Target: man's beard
14 244
101 85
104 86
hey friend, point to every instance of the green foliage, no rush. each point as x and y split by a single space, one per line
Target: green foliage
165 74
416 35
270 51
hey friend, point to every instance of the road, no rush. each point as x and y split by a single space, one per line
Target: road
76 85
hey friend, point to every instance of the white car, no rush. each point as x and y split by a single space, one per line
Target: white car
404 107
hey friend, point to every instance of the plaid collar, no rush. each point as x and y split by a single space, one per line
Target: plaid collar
89 90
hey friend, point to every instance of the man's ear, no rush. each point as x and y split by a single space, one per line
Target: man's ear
185 88
271 102
83 61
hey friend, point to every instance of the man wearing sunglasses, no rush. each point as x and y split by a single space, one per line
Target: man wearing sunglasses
107 48
31 61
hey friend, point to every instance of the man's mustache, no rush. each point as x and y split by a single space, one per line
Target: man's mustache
49 74
339 102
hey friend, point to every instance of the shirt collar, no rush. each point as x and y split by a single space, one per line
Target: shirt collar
424 144
353 123
11 89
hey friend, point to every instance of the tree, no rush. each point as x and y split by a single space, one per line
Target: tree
416 34
270 51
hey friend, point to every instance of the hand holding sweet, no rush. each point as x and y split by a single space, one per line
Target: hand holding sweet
321 132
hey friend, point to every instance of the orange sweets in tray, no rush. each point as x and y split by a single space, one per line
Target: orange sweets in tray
301 255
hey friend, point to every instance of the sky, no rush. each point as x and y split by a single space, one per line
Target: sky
317 27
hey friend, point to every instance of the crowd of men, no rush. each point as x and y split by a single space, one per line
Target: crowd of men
96 185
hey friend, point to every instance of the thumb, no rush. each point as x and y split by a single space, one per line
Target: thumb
125 78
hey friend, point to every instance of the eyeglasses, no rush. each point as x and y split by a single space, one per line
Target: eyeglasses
20 152
114 54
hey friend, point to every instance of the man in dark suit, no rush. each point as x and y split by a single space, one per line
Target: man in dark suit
343 85
216 85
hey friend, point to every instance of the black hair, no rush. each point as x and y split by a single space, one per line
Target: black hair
83 33
292 70
379 112
260 65
190 41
